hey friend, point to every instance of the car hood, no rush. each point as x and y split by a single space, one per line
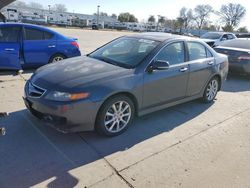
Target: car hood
74 72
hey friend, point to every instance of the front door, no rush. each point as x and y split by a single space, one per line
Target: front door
10 47
163 86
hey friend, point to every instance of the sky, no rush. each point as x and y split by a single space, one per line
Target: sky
143 8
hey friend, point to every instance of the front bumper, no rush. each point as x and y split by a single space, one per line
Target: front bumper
64 116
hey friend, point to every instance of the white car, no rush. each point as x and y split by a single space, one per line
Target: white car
216 38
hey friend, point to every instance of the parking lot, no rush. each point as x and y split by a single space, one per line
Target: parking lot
189 145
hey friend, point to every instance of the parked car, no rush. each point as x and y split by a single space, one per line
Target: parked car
215 38
238 52
243 35
132 75
25 45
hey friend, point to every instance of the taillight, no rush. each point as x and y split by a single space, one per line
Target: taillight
75 44
244 57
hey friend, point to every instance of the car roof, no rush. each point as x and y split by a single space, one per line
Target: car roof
159 36
26 24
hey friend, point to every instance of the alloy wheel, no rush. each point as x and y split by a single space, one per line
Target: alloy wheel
212 89
117 116
57 58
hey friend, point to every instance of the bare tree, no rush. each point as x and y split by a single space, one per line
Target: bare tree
186 16
103 14
201 14
35 5
19 4
232 14
59 8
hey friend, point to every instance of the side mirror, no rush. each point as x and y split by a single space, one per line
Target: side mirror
159 65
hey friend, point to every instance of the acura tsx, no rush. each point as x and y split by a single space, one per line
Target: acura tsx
129 76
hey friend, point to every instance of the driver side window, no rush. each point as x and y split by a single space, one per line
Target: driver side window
173 53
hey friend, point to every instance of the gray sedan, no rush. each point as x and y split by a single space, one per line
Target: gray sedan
132 75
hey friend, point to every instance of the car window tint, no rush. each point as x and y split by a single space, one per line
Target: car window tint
48 35
9 34
230 37
173 53
33 34
196 51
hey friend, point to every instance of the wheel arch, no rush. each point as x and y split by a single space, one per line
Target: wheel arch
122 93
57 53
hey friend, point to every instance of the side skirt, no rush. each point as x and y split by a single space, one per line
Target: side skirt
166 105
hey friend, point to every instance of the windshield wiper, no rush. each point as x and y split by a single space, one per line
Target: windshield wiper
106 60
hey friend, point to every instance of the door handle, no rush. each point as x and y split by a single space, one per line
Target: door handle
51 46
184 69
9 49
210 62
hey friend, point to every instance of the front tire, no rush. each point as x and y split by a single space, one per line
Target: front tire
211 90
115 116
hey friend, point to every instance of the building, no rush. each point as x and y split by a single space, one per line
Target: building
42 16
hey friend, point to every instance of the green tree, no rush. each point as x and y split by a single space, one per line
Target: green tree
127 17
114 16
151 19
161 20
243 30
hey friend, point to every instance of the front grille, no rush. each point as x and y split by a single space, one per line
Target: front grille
35 91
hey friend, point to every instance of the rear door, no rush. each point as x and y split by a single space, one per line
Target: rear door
201 63
38 45
10 47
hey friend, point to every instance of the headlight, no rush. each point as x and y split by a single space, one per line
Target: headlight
62 96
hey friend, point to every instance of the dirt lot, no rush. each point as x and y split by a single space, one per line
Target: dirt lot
190 145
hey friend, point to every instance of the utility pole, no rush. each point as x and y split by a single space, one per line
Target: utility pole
49 7
97 20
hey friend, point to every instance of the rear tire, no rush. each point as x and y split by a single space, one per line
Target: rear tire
211 90
56 58
115 116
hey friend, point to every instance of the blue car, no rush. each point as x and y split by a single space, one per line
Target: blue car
28 46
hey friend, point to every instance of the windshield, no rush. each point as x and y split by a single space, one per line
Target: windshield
211 36
125 52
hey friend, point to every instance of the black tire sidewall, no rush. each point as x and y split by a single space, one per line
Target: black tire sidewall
99 125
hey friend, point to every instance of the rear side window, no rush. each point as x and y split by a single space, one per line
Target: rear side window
9 34
196 51
48 35
35 34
